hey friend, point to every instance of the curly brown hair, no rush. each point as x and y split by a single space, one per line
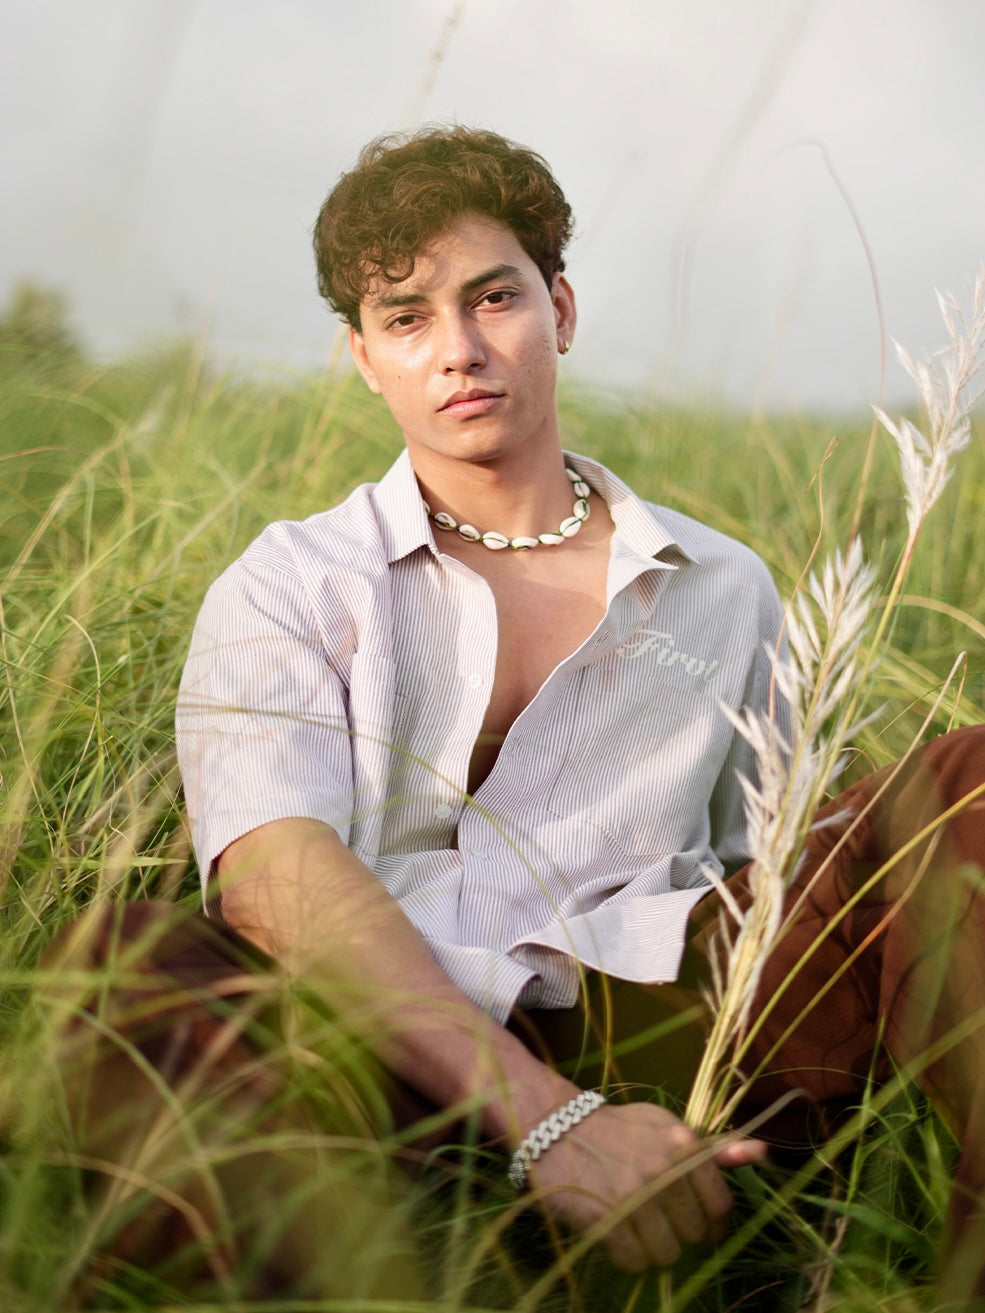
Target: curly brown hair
405 189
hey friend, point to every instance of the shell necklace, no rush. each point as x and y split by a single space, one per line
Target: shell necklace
497 541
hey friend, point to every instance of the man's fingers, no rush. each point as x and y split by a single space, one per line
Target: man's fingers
681 1214
714 1196
685 1207
740 1153
690 1210
645 1240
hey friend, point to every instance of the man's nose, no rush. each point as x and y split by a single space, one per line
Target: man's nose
460 345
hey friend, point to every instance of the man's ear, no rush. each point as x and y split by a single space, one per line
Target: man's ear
565 314
358 348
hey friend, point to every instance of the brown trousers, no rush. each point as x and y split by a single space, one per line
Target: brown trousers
889 947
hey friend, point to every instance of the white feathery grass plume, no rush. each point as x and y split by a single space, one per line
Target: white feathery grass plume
944 383
820 679
825 627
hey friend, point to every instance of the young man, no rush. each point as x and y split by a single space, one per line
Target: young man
457 746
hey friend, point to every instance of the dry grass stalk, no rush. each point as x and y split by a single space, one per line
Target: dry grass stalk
822 679
825 630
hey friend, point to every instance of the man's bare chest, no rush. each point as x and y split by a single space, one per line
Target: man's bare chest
540 622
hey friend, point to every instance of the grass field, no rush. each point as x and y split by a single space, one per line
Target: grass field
123 492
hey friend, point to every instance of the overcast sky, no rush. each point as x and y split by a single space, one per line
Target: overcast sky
728 161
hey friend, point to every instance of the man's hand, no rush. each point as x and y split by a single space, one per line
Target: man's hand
628 1161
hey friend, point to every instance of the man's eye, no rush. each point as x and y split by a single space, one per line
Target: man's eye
500 297
403 321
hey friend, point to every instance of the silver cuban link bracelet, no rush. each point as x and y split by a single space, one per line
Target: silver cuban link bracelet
549 1132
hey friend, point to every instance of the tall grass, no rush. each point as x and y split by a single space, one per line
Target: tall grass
123 491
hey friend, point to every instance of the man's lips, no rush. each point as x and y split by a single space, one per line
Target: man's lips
474 402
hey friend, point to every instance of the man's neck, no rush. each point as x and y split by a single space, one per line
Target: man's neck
518 495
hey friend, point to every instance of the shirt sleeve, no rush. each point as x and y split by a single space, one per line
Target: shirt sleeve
262 725
727 809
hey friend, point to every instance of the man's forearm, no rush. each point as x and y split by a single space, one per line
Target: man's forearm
294 889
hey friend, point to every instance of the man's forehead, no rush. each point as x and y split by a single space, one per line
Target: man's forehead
470 252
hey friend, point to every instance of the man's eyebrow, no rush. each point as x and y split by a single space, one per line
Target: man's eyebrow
387 300
493 275
396 298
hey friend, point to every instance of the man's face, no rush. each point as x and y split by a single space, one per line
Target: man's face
464 351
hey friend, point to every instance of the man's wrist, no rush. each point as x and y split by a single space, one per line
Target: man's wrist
549 1131
518 1088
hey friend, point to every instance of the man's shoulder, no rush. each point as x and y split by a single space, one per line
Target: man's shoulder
721 575
320 576
373 526
346 536
651 527
703 543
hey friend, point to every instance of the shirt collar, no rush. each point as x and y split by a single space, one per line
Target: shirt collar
404 525
403 521
637 522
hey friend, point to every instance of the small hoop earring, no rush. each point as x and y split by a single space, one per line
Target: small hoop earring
564 347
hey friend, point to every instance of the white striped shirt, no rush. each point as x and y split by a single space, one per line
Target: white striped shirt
341 668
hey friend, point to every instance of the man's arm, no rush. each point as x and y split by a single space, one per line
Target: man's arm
293 888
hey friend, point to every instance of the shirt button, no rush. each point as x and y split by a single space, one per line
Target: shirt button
443 811
475 680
